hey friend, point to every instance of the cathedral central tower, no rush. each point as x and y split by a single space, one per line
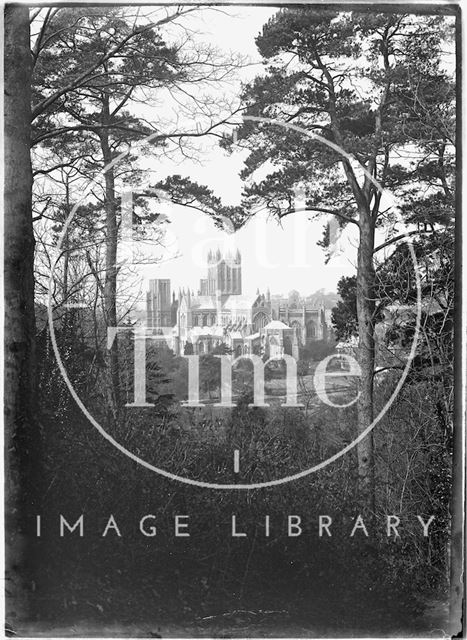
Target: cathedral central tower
224 274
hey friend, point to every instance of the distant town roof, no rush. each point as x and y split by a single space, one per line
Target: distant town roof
429 307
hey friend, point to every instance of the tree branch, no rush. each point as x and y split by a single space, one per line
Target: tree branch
44 104
333 212
401 237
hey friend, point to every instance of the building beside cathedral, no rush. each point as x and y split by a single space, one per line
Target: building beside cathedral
219 313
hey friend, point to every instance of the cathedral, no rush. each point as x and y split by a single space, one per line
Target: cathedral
220 314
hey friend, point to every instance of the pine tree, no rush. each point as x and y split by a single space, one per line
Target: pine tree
372 84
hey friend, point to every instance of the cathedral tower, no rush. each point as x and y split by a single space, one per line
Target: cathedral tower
224 274
159 304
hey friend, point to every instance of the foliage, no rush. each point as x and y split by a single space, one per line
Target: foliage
213 571
298 92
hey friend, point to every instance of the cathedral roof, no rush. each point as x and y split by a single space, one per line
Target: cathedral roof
276 324
228 302
204 302
234 302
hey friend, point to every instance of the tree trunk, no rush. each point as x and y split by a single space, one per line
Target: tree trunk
20 380
22 441
110 286
67 315
366 358
66 247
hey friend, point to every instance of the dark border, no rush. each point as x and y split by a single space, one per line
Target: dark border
458 505
457 605
449 8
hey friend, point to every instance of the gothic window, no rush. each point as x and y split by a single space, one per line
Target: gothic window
195 320
298 330
260 320
205 320
310 329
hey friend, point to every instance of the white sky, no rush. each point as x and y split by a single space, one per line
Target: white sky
279 257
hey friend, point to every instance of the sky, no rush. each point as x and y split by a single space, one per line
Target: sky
279 257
